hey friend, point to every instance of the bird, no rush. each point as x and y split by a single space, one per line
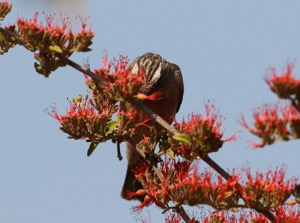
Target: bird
163 81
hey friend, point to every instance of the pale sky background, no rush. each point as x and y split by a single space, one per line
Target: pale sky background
223 49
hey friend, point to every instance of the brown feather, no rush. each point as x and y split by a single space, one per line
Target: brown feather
165 78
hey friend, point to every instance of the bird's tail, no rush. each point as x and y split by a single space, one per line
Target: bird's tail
130 186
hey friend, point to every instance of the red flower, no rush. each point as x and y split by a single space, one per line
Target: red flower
84 37
82 121
176 218
173 218
258 217
121 84
284 214
53 34
52 39
273 122
292 116
288 214
202 133
5 8
267 190
186 185
284 85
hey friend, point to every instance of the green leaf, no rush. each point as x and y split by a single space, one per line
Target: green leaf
112 124
55 49
92 147
171 153
182 138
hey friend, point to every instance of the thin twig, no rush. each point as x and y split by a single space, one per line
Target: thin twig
14 35
183 214
216 167
295 104
119 151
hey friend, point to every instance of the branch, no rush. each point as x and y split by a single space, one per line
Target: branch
148 111
216 167
102 81
170 129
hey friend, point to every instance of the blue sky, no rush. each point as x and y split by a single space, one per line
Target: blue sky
223 49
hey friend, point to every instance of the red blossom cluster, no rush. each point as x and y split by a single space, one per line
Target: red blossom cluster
82 121
184 184
284 84
91 118
205 188
175 218
121 84
7 41
126 123
284 214
5 8
269 190
202 134
288 214
225 217
273 122
49 40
